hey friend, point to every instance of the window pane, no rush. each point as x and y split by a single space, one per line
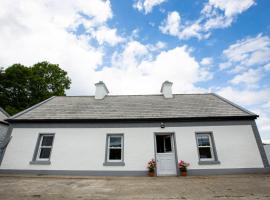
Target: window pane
163 143
203 141
45 153
205 152
160 144
115 141
115 154
47 141
168 146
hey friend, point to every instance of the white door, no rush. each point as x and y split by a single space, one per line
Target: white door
165 155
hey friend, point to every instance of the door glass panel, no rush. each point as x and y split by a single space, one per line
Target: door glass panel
163 143
167 141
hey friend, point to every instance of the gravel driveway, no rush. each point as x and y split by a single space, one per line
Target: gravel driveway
210 187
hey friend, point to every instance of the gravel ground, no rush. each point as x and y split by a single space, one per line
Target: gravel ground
156 188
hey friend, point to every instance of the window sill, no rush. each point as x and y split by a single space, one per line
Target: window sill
215 162
39 162
113 164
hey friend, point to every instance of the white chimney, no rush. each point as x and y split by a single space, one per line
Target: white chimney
166 89
101 90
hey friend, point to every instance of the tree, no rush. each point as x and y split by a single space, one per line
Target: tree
22 87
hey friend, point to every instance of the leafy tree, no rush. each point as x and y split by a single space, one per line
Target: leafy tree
22 87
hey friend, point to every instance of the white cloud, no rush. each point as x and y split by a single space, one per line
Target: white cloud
146 6
132 54
232 7
247 58
249 78
171 25
267 67
207 61
136 71
246 97
249 51
33 31
158 46
214 15
104 34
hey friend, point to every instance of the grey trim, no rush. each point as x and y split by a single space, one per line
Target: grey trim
7 140
34 158
75 172
31 108
228 171
216 161
4 112
235 105
113 164
191 172
108 163
176 156
131 124
175 150
133 120
259 144
155 150
37 162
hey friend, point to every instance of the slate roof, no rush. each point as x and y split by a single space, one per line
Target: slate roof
182 106
3 115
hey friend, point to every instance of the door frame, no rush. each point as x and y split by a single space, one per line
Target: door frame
174 145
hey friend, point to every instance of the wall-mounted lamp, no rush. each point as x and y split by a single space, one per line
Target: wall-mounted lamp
162 125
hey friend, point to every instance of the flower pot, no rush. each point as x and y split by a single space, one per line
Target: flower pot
183 172
151 174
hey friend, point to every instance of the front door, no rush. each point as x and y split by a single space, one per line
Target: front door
165 154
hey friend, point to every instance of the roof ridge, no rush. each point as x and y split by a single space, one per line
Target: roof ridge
234 104
31 108
114 95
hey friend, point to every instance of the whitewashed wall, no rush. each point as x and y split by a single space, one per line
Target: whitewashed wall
84 148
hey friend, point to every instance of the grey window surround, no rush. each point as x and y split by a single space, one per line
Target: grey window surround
207 162
113 164
34 160
215 162
39 162
110 163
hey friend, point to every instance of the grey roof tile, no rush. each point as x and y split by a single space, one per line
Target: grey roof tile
133 107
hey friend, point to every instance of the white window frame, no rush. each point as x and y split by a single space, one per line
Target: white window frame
208 135
108 147
42 147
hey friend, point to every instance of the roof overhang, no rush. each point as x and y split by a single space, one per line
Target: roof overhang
193 119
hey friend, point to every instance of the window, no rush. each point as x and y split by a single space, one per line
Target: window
44 147
115 148
205 147
163 143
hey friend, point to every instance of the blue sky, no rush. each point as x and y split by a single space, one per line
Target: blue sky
220 46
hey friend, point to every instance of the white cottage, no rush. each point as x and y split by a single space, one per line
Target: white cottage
118 134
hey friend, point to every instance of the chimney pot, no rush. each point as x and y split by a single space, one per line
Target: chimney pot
101 90
166 89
